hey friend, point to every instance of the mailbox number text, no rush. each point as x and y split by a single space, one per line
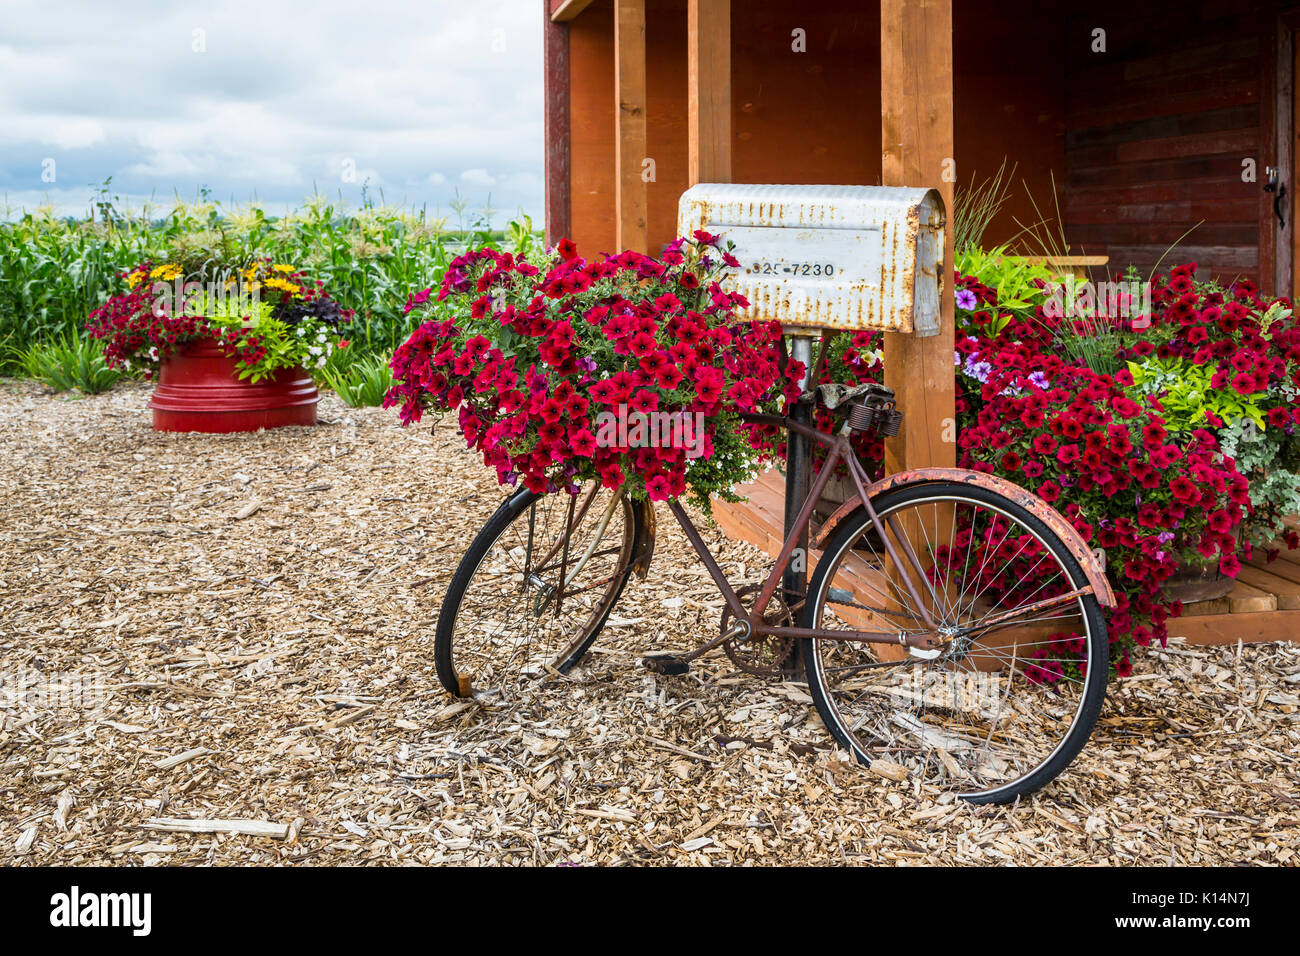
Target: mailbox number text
794 268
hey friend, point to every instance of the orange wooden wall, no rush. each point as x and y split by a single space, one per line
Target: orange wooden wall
591 122
815 116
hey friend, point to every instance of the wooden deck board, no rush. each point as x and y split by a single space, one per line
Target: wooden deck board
1264 604
1281 566
1286 591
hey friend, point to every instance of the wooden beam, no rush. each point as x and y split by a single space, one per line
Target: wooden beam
562 11
630 142
555 58
708 44
916 121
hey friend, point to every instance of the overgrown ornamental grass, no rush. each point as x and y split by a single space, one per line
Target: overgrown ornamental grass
55 271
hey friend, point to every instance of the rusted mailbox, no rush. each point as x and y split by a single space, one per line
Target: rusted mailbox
828 257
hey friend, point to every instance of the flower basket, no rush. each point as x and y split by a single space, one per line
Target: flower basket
1195 582
199 390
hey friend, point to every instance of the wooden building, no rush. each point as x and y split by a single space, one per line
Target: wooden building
1159 124
1163 122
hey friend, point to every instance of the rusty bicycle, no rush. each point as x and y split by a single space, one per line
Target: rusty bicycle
952 622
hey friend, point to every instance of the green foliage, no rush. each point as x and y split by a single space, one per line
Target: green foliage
67 363
229 310
360 383
1259 453
1186 392
1018 283
1020 286
54 271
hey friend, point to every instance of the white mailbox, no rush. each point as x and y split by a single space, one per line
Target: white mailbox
828 257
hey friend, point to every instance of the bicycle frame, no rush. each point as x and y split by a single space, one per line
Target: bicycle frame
906 565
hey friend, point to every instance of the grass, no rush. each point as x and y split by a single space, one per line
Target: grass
360 383
974 207
68 362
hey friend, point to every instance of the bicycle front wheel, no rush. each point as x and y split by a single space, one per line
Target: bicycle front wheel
1012 694
535 588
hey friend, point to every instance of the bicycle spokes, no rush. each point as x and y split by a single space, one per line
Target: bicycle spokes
543 583
992 703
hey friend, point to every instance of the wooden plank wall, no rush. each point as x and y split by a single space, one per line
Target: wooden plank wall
1157 128
1147 138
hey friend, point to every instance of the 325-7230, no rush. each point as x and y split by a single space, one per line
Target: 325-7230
793 268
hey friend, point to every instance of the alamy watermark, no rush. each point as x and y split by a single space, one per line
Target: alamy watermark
38 690
1074 298
133 911
228 296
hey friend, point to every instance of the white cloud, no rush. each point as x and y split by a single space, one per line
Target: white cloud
78 133
478 177
271 110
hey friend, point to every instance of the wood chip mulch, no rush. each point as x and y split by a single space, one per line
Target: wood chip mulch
219 649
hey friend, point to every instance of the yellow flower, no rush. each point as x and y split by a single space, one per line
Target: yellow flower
282 268
133 279
283 286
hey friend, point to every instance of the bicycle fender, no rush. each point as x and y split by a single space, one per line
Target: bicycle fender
1035 505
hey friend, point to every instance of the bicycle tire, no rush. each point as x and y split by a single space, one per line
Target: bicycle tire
509 511
1095 680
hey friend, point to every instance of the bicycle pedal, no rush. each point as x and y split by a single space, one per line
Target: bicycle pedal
669 664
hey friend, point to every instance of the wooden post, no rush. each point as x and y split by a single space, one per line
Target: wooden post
555 59
708 86
917 139
630 117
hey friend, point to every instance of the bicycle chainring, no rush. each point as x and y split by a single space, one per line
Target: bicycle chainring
762 655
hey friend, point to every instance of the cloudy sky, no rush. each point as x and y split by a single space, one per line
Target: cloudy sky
272 99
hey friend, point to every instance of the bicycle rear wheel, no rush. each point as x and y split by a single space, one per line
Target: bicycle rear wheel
1013 694
535 588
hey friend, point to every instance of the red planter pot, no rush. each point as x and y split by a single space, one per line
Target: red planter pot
198 390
